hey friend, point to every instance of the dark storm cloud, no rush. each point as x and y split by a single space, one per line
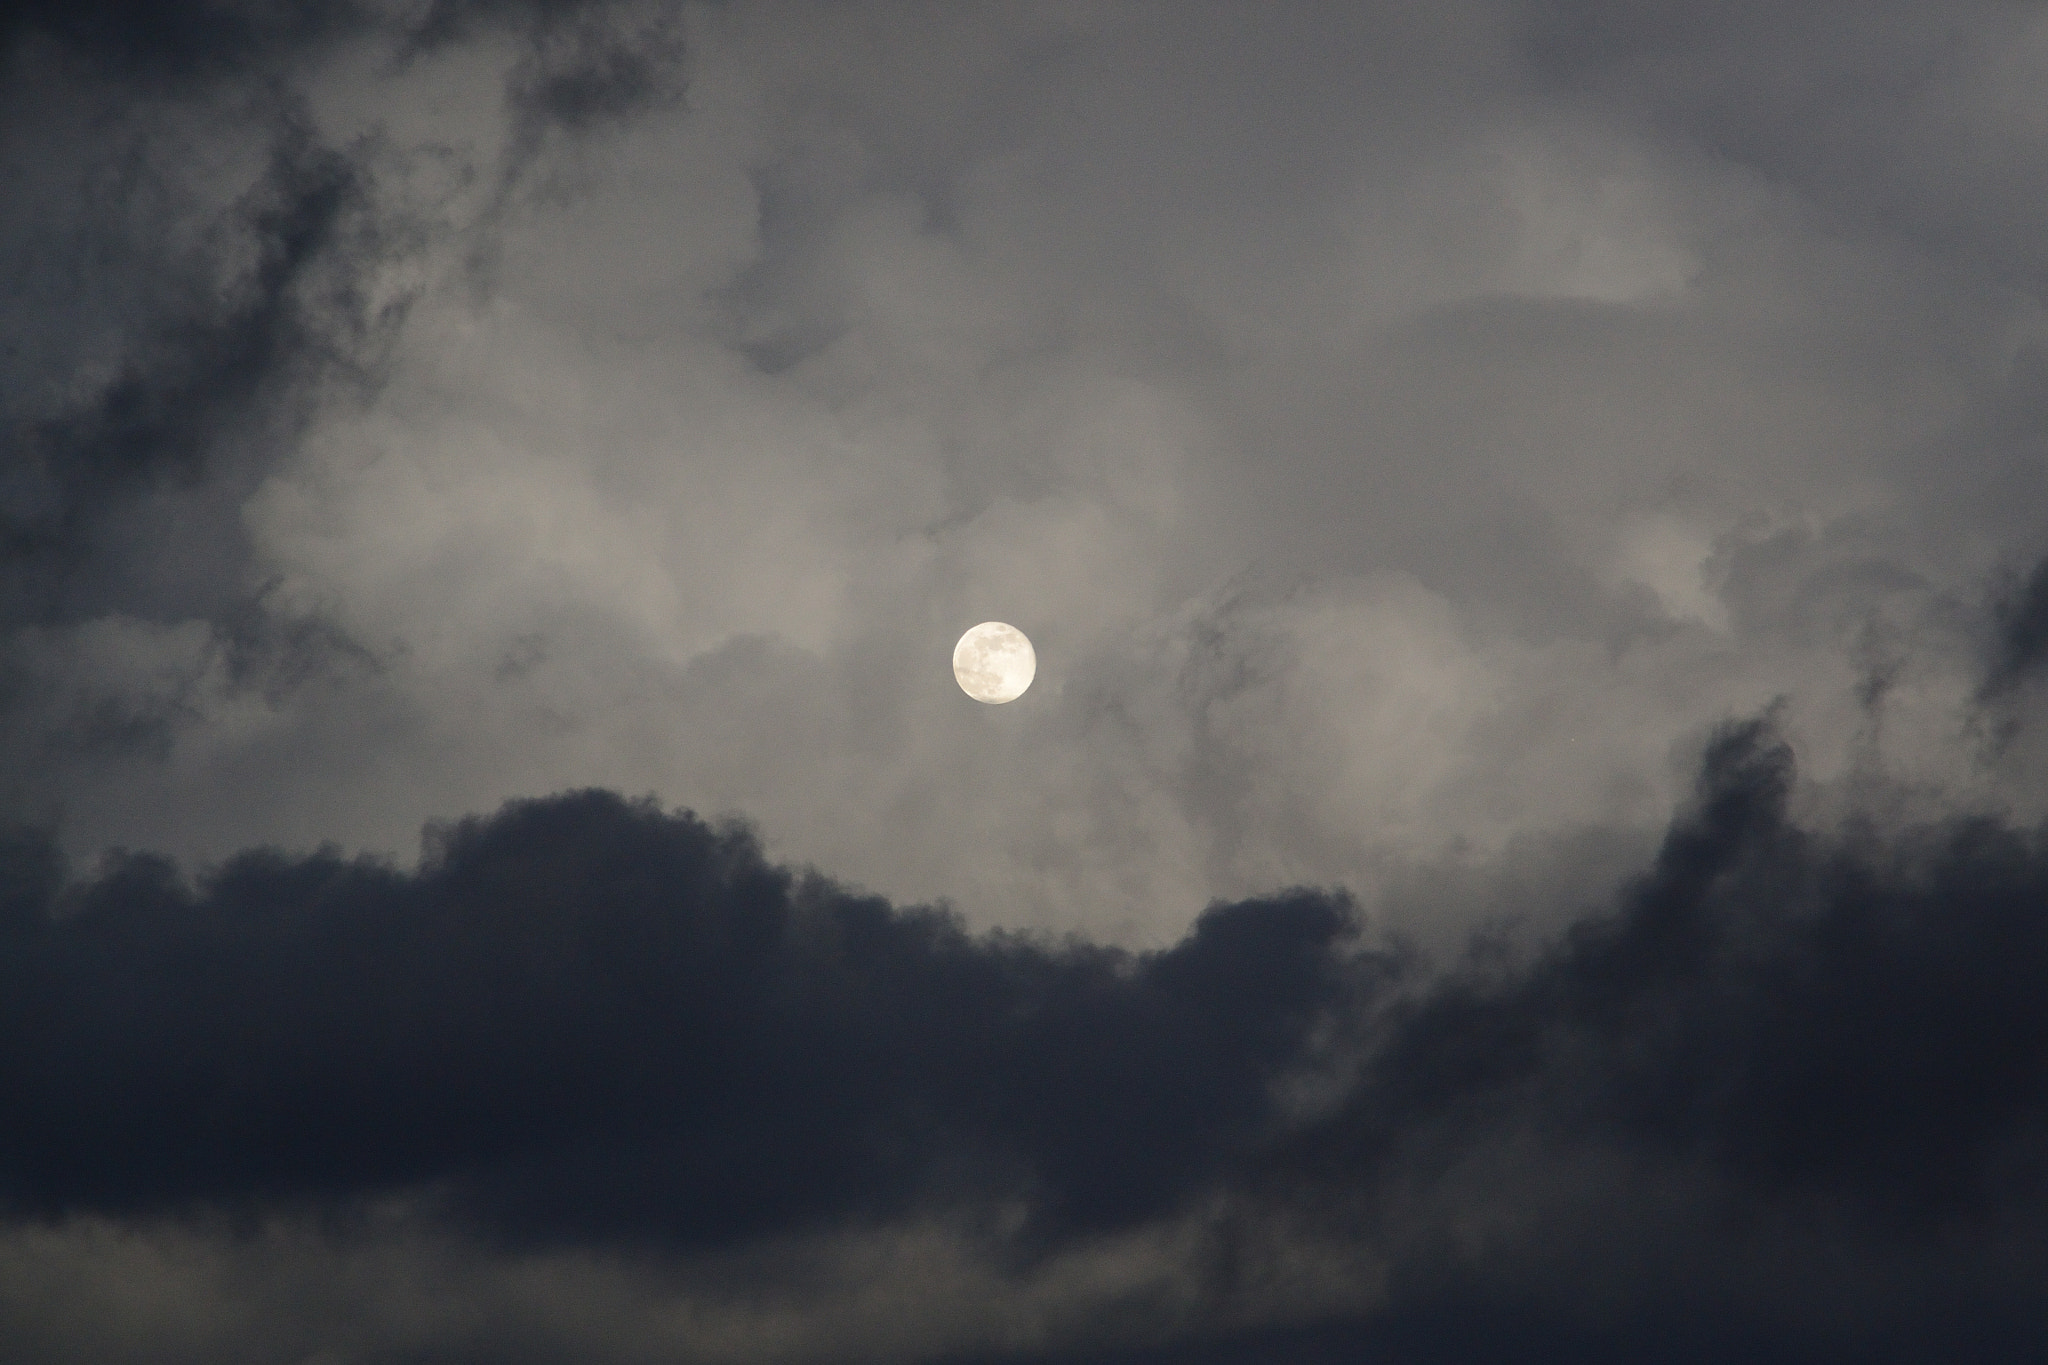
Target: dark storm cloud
587 1020
1829 1041
1834 1052
596 1020
1857 1017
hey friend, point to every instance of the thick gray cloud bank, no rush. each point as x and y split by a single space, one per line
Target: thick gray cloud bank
1565 478
1796 1086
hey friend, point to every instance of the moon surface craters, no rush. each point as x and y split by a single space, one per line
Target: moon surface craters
994 662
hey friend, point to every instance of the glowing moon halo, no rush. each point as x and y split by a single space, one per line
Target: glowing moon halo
994 663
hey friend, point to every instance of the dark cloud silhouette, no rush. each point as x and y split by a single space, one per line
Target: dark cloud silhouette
1828 1036
1825 1055
596 1020
584 1020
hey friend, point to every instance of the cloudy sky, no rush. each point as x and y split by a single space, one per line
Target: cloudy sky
1527 838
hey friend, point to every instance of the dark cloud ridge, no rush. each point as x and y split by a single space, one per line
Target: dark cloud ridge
597 1019
1856 1016
587 1019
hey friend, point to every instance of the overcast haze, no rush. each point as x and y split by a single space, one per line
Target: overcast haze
1526 834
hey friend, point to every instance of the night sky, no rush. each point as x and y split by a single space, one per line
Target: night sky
1529 839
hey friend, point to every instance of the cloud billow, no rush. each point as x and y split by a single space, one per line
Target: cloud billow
592 1019
1849 1017
585 1021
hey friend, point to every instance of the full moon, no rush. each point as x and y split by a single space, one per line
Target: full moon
994 662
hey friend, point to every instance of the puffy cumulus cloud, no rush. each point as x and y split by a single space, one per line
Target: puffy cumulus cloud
599 1081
